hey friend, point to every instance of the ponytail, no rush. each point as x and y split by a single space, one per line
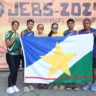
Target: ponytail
50 34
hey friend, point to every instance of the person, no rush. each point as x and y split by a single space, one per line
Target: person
54 29
40 29
71 32
13 56
40 33
54 32
28 32
87 29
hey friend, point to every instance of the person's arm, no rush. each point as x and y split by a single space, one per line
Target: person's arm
77 33
64 33
10 42
22 33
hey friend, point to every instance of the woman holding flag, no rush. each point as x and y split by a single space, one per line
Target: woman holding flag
13 56
54 29
40 33
40 29
54 32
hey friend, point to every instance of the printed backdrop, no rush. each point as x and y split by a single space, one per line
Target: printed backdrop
45 12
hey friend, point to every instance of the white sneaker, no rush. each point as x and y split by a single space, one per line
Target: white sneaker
10 90
93 87
15 89
86 87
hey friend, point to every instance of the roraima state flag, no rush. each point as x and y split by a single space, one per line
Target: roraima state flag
58 59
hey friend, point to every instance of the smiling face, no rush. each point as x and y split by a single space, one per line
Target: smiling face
86 24
54 28
40 29
70 25
15 26
30 25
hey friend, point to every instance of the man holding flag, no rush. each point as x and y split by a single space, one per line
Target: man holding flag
87 29
28 32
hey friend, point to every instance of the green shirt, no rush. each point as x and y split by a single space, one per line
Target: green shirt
15 48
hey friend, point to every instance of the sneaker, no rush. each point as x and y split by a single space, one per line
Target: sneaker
75 88
31 88
68 87
26 89
10 90
15 89
93 87
86 87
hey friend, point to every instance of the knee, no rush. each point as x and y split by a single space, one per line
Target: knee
14 72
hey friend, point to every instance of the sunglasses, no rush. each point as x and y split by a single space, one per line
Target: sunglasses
54 27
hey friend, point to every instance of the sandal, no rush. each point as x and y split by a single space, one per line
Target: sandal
31 87
61 87
55 87
26 89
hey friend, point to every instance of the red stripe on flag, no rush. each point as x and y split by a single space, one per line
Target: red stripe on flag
59 78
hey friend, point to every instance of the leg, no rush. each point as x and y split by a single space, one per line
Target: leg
17 64
94 75
93 87
40 86
10 60
26 85
86 85
74 87
94 70
45 86
68 87
55 87
61 87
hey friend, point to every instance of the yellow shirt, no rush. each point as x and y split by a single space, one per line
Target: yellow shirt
43 35
57 34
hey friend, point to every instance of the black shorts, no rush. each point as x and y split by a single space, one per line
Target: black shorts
94 62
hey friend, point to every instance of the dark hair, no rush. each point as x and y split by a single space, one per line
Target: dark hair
86 19
39 25
50 34
30 20
70 20
14 22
